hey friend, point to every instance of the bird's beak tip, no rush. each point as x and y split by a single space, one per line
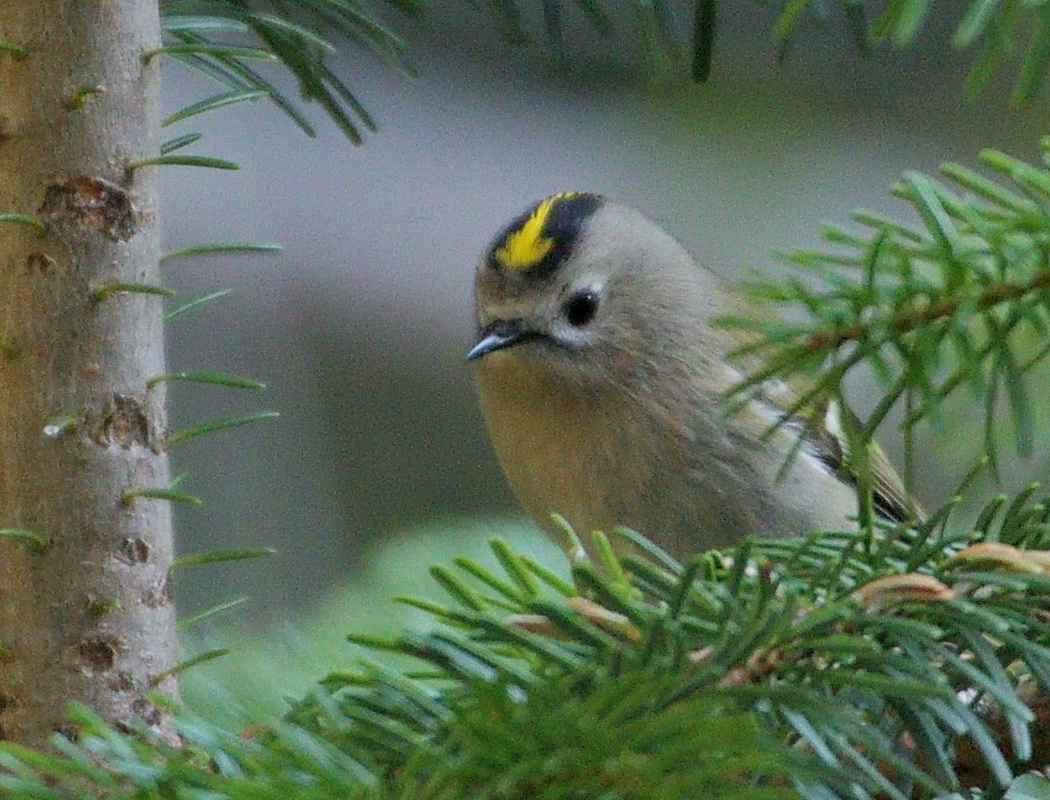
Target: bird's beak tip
487 344
496 337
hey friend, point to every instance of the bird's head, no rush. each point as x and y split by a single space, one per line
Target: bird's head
587 290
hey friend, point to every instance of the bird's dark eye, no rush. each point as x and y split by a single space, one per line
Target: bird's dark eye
580 308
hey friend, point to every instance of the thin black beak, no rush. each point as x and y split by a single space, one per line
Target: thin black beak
497 335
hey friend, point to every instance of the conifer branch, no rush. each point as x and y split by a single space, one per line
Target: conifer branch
912 669
906 322
961 301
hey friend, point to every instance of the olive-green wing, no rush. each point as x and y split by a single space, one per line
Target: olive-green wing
825 434
892 499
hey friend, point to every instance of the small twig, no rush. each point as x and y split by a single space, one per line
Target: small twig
993 295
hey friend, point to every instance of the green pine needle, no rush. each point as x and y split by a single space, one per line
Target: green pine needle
195 301
213 378
223 423
222 556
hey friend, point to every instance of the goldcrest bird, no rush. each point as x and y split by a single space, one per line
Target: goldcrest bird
603 382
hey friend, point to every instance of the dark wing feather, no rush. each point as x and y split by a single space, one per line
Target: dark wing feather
825 438
892 499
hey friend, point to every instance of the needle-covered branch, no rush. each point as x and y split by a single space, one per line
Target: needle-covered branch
911 664
960 300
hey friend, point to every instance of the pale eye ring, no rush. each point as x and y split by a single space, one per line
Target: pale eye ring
580 308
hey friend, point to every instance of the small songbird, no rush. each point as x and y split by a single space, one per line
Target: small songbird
603 382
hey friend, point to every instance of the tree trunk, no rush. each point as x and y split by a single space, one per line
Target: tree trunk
85 605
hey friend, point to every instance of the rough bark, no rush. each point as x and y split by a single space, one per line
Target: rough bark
87 616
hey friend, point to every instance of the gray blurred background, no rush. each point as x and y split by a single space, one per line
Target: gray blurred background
360 324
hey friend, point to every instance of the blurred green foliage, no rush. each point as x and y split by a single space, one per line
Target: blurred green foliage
266 666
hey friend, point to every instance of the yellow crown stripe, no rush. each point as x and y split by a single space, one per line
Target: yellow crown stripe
527 246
